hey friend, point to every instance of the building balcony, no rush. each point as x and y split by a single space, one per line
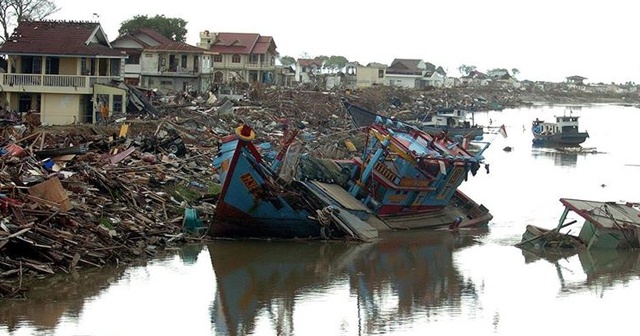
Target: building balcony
52 83
260 66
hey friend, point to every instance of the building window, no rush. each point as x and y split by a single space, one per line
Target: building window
132 59
117 103
53 65
83 67
166 82
217 58
218 77
36 65
381 73
114 67
183 61
235 58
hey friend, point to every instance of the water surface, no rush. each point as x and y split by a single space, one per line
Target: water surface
409 283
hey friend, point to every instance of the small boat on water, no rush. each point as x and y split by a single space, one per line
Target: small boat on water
403 179
454 122
564 132
607 225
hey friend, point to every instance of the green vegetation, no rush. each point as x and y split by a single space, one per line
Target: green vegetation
106 222
287 60
172 28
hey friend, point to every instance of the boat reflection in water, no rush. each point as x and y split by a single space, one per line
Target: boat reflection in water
259 280
582 269
562 156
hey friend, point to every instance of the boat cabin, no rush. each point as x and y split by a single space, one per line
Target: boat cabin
563 124
449 118
567 124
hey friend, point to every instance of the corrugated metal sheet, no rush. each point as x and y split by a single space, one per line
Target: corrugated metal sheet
606 214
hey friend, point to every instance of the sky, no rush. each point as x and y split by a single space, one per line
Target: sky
544 39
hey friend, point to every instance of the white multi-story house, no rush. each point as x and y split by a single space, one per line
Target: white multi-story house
56 68
155 61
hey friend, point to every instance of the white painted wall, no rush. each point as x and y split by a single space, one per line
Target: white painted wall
401 80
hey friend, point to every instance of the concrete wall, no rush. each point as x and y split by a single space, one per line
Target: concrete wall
149 62
60 109
402 81
368 76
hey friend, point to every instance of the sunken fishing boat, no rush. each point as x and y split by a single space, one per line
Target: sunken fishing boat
605 225
404 179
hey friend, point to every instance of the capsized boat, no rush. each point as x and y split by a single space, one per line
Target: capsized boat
257 201
609 225
564 132
404 179
410 178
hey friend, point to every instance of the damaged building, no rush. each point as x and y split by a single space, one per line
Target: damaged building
155 61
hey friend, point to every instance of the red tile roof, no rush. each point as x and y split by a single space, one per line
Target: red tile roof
139 36
309 62
242 43
155 35
59 38
176 46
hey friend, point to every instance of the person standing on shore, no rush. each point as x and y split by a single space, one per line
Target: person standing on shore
104 112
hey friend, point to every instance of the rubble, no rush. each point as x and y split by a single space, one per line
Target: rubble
80 196
75 197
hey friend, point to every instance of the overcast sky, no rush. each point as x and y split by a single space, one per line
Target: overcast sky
544 39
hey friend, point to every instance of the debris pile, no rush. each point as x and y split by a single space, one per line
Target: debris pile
78 198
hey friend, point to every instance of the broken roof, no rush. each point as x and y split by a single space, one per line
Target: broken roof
71 38
145 37
243 43
310 61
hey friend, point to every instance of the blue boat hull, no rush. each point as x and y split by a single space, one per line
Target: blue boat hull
252 204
